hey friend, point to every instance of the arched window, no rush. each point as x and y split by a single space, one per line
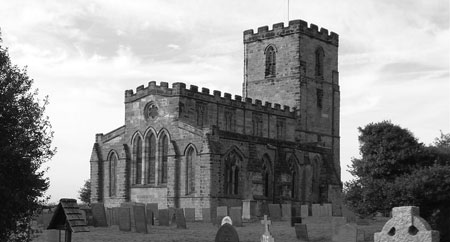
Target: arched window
319 61
112 174
266 174
150 145
137 153
270 62
232 163
163 156
190 170
293 165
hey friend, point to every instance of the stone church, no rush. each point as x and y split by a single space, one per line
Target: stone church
193 148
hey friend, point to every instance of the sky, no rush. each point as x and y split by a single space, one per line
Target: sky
393 62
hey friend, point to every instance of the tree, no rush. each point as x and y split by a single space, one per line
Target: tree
85 192
25 144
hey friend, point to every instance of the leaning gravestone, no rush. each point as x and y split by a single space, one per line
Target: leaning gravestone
406 225
98 212
164 217
124 219
150 217
236 216
190 214
301 232
267 236
154 208
275 211
226 232
180 219
347 233
139 219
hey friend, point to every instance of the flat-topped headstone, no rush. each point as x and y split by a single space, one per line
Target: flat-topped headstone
140 220
190 214
327 210
172 217
206 214
304 211
406 225
236 216
226 220
226 233
150 216
275 211
124 219
347 233
337 222
130 206
99 215
301 231
222 211
164 217
180 219
286 210
267 236
154 208
248 209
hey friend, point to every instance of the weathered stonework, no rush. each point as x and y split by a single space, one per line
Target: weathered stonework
189 148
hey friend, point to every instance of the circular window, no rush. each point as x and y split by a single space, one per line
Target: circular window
150 111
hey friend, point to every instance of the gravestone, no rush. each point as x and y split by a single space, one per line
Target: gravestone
337 222
267 236
130 206
236 216
124 219
164 217
304 211
275 211
109 216
301 232
222 211
286 210
180 219
226 220
347 233
172 218
139 218
154 208
190 214
248 209
226 233
406 225
115 213
99 215
206 214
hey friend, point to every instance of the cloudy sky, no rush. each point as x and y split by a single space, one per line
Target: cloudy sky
393 61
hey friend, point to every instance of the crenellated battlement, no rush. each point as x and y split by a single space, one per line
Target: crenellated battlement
295 26
179 89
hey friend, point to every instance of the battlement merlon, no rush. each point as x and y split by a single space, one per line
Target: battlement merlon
179 89
295 26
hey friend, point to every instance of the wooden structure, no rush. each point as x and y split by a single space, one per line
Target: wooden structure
68 217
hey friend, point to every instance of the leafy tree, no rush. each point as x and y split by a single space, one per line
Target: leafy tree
25 144
85 192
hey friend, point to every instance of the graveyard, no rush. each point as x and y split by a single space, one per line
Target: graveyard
145 222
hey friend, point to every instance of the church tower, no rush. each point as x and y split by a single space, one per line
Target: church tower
297 66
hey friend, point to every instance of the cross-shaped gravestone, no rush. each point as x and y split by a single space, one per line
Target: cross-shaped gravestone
266 237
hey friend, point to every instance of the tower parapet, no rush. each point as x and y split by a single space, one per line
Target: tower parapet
295 26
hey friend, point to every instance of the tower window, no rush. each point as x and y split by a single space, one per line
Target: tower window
270 62
257 124
319 62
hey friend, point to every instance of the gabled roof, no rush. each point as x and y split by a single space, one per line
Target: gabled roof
68 212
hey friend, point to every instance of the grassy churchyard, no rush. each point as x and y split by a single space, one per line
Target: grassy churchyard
199 231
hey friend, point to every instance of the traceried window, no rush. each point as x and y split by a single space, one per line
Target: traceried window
232 168
200 109
319 94
257 124
293 166
229 119
162 159
112 174
270 62
190 170
319 62
266 174
137 152
150 146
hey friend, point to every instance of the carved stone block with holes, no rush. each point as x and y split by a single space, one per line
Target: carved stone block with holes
406 225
